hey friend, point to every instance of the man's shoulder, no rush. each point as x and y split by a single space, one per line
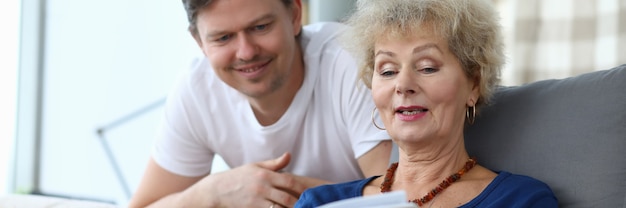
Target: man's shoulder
199 70
321 35
198 77
199 64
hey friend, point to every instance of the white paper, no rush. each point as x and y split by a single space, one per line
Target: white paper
395 199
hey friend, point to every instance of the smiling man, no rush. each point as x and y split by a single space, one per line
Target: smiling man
281 103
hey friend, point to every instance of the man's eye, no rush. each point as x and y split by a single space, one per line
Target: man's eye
260 27
223 38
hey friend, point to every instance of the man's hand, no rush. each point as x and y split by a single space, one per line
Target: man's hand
252 185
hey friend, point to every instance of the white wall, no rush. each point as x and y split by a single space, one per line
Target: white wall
9 40
329 10
102 61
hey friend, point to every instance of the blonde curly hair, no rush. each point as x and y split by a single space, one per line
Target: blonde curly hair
470 27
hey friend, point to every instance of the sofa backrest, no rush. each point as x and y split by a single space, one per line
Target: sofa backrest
569 133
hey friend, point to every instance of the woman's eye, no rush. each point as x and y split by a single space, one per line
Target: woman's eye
429 70
386 69
386 73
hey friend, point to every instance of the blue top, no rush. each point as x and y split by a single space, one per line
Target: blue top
506 190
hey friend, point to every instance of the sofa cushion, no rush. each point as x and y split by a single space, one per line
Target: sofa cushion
569 133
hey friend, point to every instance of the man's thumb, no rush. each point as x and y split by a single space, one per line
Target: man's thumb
276 163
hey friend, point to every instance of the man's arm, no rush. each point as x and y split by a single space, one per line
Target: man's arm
160 185
376 161
252 185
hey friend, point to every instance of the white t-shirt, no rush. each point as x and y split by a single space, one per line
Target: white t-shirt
326 127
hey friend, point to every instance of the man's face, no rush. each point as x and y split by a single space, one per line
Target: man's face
250 43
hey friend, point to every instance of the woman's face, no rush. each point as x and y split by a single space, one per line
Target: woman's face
420 89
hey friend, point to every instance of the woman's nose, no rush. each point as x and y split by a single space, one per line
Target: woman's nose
246 49
405 83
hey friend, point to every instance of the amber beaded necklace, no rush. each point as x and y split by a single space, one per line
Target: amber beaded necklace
386 185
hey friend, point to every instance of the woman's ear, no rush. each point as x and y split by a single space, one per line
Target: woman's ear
475 93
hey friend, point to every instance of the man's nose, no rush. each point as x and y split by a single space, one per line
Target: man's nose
247 49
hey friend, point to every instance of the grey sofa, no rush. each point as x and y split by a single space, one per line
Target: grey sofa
569 133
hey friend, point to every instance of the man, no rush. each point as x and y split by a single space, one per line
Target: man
280 103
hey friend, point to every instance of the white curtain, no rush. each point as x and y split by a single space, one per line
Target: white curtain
548 39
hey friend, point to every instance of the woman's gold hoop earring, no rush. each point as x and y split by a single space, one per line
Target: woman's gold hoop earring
472 118
374 121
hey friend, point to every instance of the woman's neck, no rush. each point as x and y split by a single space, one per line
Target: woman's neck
421 170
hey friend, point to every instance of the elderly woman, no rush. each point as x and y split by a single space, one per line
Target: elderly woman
430 65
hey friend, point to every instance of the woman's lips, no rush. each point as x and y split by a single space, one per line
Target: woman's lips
410 113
